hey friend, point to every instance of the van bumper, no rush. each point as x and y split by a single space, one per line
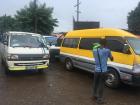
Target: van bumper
130 78
17 68
13 66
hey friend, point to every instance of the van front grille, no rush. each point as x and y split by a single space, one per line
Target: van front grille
29 57
29 64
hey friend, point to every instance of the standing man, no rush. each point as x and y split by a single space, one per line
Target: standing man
101 55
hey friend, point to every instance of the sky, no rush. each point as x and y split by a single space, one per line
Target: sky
110 13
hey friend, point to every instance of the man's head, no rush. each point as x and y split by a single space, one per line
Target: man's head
103 42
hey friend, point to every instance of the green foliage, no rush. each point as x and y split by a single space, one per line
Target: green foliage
7 23
36 18
33 18
133 20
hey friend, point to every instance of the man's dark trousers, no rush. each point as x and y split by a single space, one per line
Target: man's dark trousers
98 85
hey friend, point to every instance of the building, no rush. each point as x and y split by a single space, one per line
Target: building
85 25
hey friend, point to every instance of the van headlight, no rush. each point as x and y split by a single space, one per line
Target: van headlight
13 57
136 68
46 56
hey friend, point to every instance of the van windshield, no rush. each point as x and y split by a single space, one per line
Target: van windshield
51 41
26 41
135 43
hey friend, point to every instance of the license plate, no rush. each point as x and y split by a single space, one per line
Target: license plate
30 67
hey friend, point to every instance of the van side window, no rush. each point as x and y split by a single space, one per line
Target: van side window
115 44
87 43
71 42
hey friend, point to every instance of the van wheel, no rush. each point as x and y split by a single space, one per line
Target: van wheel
5 67
69 64
112 79
41 71
6 70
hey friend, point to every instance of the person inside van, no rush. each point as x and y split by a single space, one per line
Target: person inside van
101 55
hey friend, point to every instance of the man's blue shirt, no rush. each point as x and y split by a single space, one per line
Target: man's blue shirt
103 54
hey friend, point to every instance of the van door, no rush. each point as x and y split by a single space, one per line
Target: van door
85 53
121 60
69 49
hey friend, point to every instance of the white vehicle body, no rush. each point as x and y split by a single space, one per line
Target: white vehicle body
26 51
53 46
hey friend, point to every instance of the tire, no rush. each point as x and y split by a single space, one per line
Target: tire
69 64
7 72
112 79
40 70
5 67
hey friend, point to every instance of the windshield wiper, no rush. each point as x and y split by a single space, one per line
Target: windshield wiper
16 46
27 46
23 46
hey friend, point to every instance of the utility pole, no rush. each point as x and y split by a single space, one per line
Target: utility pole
78 9
35 16
4 24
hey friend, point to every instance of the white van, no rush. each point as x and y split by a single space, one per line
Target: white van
25 51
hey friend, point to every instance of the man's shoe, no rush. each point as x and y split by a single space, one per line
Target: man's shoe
94 98
100 101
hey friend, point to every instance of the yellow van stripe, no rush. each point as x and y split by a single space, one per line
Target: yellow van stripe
92 59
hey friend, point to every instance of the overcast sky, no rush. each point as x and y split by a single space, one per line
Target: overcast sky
110 13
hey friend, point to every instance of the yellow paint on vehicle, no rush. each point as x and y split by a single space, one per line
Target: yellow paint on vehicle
121 58
19 68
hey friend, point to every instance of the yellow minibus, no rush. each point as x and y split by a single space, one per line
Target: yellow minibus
76 51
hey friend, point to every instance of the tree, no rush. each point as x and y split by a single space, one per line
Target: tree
133 20
36 18
7 23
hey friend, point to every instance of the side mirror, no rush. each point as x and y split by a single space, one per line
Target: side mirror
43 45
5 42
50 43
48 46
126 49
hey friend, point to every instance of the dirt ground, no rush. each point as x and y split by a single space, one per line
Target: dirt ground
56 86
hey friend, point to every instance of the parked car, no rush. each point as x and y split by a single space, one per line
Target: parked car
25 51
